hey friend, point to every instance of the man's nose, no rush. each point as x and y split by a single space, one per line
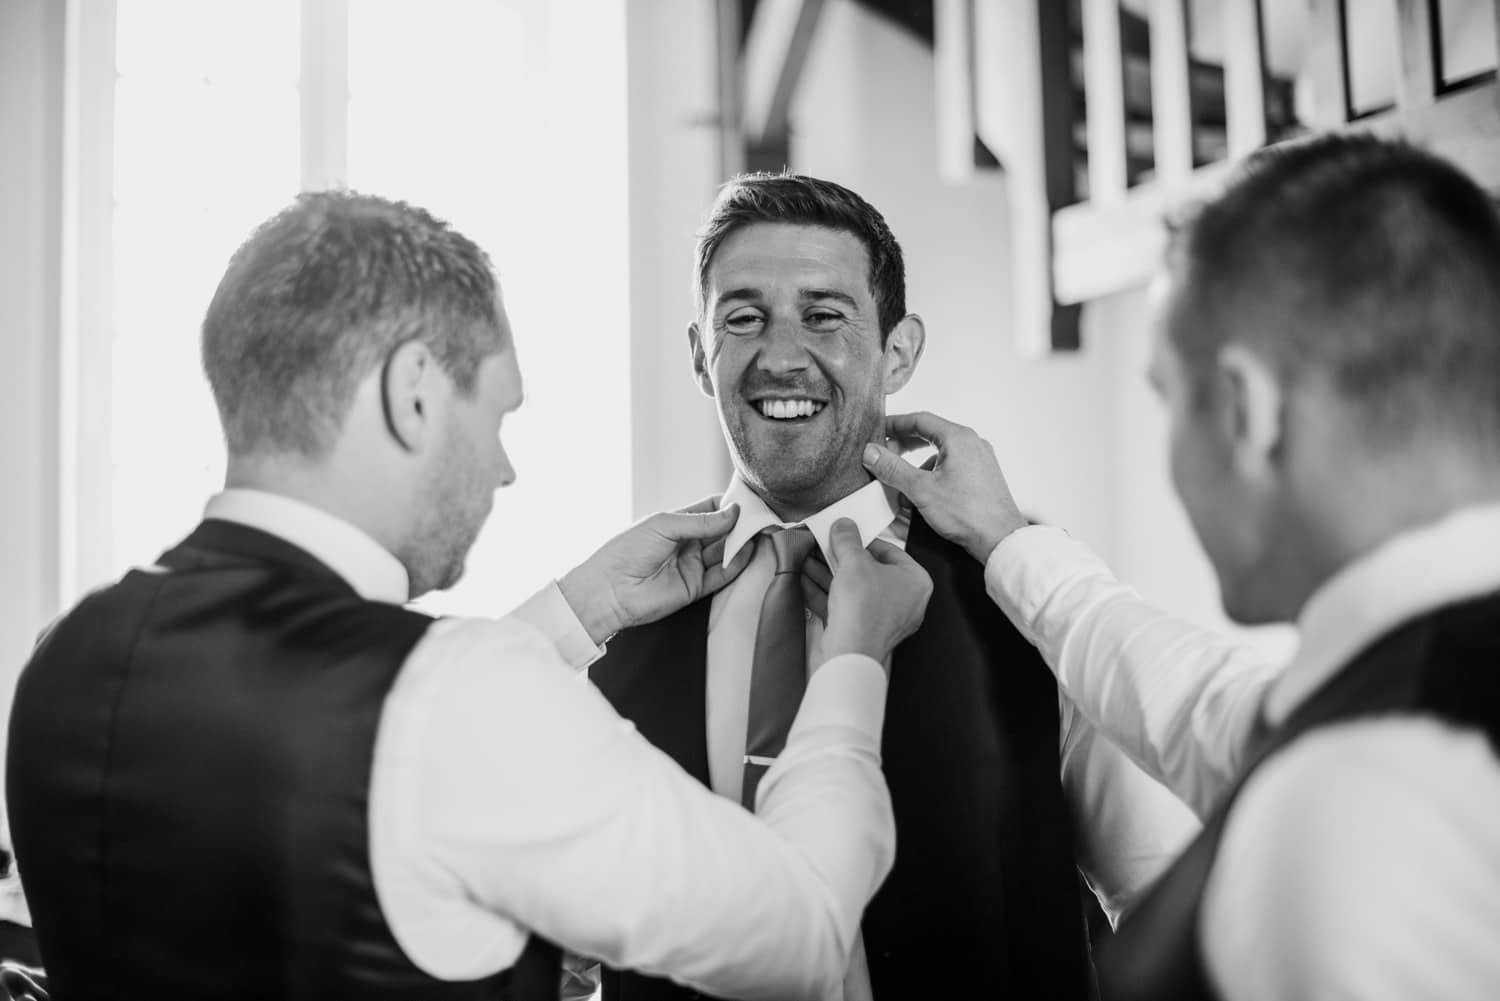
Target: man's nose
506 473
784 349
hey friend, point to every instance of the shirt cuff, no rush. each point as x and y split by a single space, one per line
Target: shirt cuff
549 613
848 691
1029 566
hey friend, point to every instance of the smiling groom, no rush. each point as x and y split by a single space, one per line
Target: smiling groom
802 332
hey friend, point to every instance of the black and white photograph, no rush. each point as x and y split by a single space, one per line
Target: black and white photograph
750 500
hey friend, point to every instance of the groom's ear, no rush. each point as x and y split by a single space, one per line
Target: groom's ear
903 349
700 360
408 385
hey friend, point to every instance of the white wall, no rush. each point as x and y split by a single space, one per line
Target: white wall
678 454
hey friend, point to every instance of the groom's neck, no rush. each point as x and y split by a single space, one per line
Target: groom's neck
799 507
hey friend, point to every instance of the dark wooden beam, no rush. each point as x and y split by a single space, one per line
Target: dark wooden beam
917 16
1059 112
771 63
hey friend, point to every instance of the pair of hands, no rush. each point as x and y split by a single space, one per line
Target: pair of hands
961 491
870 599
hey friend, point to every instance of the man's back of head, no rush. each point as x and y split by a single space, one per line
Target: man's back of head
1368 263
358 352
319 295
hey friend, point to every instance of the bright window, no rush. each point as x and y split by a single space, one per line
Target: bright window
505 117
205 128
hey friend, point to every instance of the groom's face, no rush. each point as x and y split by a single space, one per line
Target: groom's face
790 349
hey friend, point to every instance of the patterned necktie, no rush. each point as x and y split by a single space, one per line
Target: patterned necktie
778 673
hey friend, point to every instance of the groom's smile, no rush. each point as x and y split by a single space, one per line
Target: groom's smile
790 348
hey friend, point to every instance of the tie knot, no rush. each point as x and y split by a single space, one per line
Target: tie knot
791 546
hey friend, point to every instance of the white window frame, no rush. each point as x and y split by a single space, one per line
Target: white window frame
87 307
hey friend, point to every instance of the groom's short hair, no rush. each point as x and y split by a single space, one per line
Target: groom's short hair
322 293
799 200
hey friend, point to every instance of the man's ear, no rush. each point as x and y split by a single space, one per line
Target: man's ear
1254 409
903 349
408 384
700 360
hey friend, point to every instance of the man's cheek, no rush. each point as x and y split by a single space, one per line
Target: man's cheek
724 373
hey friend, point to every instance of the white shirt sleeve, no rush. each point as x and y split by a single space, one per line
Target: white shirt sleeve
549 613
1361 862
1130 827
1180 700
509 797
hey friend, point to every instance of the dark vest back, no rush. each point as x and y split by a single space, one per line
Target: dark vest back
984 892
188 777
1442 664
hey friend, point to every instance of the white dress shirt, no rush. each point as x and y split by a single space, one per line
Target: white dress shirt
1130 827
1360 862
508 797
13 906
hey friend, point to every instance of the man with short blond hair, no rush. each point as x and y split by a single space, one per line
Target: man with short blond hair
249 771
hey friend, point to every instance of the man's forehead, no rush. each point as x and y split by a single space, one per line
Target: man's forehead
500 375
764 254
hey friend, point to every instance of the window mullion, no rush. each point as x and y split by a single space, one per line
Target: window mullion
86 479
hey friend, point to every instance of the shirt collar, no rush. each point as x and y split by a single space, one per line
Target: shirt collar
1438 564
871 508
367 566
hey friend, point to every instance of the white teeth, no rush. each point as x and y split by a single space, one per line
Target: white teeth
783 410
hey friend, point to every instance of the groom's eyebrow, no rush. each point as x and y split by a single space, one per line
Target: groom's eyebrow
739 294
830 293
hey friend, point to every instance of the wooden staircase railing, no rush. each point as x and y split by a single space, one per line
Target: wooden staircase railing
1146 125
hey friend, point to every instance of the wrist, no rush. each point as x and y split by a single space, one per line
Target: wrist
983 543
835 646
593 602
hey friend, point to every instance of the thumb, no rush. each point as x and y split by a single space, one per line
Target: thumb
845 542
892 470
706 504
682 526
888 554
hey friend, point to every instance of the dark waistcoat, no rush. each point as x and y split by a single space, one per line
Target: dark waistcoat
984 892
1441 665
188 780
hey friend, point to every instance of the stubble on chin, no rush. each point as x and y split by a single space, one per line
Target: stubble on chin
811 482
437 559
